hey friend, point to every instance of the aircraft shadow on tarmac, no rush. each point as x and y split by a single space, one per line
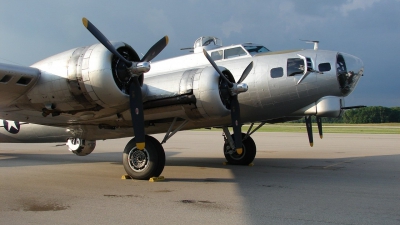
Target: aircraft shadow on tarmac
261 165
274 189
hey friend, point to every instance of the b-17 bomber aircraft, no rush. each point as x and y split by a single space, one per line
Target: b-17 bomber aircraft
107 91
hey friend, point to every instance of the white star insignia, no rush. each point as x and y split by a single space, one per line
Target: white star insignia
11 124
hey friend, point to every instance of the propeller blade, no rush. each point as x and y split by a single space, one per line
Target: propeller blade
136 106
236 124
155 49
216 67
246 72
235 108
309 130
97 34
135 93
319 123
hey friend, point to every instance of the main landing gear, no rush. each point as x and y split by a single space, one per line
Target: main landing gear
235 157
249 150
149 162
146 163
240 158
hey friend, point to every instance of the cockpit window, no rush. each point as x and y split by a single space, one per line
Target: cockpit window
256 49
295 66
324 67
234 52
217 55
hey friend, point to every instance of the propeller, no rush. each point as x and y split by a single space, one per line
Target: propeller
309 130
319 123
235 89
155 49
135 69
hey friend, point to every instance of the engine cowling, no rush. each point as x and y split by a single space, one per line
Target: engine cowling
86 78
210 92
101 76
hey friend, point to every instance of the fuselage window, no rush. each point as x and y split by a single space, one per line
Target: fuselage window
295 66
217 55
324 67
277 72
234 52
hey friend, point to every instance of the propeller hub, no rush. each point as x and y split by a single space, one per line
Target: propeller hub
238 88
138 68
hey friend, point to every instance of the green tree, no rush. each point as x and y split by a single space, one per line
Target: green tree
371 114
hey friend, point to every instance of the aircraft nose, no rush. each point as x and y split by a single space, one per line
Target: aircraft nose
349 71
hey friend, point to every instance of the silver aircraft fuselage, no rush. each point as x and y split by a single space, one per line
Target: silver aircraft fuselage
90 104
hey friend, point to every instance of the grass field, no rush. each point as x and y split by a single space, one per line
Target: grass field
383 128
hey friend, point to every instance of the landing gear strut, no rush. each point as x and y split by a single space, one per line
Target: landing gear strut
146 163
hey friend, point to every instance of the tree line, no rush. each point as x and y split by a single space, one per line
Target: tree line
371 114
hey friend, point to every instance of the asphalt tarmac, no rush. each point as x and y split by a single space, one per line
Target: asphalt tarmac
343 179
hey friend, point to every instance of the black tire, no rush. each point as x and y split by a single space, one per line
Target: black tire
146 163
248 155
161 156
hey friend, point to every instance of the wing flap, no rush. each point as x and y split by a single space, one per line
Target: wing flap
15 81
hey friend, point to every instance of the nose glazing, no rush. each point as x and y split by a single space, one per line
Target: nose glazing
349 69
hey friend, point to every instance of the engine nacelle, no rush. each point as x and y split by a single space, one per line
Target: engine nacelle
86 78
207 89
81 147
203 83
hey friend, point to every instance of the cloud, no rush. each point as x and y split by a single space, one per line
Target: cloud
158 22
295 17
231 26
365 28
353 5
286 7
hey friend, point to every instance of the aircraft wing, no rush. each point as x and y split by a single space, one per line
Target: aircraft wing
15 81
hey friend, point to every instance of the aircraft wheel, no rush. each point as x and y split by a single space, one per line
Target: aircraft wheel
146 163
248 155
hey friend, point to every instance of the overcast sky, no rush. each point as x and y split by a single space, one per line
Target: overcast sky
368 29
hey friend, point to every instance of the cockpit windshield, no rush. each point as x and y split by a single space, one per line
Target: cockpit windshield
256 49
